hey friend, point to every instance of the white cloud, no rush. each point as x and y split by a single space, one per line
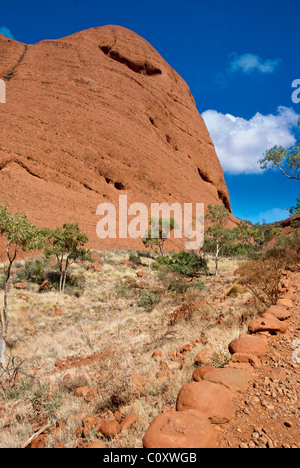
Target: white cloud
240 143
249 63
6 32
273 215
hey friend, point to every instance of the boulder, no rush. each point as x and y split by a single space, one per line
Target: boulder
211 399
183 429
285 302
200 372
243 358
249 345
267 323
234 379
279 312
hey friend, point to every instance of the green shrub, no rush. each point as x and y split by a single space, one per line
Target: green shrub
148 301
135 259
187 264
34 270
178 286
198 285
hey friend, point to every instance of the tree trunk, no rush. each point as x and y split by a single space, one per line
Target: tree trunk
2 350
60 281
217 258
3 322
64 282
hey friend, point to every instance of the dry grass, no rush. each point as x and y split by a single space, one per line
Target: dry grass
106 318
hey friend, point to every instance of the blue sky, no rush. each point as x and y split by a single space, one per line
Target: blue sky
238 58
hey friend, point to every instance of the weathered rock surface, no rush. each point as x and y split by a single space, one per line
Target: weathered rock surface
280 312
249 345
199 373
211 399
235 380
267 323
183 429
93 116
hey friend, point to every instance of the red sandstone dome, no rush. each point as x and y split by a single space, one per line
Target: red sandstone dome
95 115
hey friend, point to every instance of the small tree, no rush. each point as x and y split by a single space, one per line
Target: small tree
216 235
287 161
295 210
17 234
66 244
158 232
265 232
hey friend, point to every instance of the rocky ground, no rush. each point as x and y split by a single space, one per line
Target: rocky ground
101 366
267 414
261 380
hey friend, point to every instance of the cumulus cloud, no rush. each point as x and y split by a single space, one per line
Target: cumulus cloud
240 143
249 63
6 32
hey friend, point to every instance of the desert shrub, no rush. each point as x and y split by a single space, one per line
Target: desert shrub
11 383
74 284
188 264
44 400
262 277
200 285
16 384
34 270
221 358
148 301
135 259
289 248
178 286
236 289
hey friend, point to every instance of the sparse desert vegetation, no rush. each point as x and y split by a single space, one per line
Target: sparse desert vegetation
94 355
101 334
121 340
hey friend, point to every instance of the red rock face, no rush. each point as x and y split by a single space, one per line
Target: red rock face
95 115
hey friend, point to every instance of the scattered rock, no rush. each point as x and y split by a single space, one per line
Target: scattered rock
130 421
205 357
95 444
22 285
157 355
110 428
90 423
82 391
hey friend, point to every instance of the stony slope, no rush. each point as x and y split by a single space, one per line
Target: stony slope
95 115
